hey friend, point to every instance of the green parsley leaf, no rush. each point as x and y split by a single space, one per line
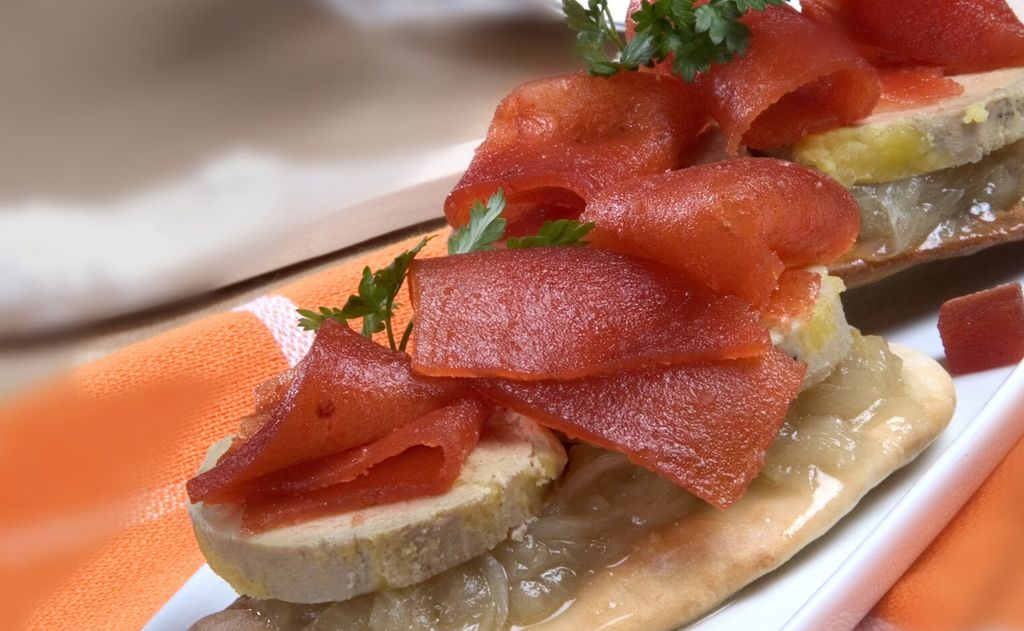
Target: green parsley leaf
486 225
639 51
751 5
693 37
578 17
562 232
596 34
375 302
311 320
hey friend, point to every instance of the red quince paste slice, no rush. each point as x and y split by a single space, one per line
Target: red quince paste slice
568 312
418 459
905 87
983 330
347 392
704 426
793 299
734 225
554 143
796 78
960 35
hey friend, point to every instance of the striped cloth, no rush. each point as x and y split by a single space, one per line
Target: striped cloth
94 535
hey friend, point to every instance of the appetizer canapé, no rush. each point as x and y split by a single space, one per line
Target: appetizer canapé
938 168
917 106
615 538
378 490
630 388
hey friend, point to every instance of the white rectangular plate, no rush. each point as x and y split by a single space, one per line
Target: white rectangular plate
835 581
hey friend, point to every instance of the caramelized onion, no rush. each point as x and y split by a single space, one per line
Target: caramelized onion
901 215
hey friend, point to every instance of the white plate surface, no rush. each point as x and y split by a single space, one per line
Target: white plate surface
835 581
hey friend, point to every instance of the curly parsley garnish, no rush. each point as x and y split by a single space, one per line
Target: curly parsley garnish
375 302
693 37
486 225
560 232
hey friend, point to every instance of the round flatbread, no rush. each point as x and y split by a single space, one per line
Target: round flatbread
680 572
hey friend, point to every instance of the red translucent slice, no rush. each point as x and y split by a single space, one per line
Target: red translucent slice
418 459
554 143
983 330
960 35
347 392
825 12
794 298
905 87
797 78
734 225
705 426
568 312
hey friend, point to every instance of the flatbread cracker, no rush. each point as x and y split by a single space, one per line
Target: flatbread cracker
858 268
686 569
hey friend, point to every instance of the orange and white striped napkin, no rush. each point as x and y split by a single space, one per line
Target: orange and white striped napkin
93 531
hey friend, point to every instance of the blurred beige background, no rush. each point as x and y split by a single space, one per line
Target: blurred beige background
104 98
101 96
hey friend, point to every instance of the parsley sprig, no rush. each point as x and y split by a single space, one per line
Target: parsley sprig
561 232
693 37
486 225
375 302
